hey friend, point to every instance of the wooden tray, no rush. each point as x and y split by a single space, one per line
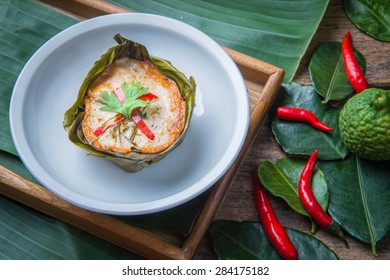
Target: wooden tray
262 80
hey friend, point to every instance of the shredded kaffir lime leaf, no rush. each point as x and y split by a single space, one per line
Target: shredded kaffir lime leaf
131 101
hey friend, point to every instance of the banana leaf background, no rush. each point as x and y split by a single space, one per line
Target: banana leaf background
277 32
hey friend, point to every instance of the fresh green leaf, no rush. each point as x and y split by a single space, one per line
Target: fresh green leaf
360 197
281 179
29 235
300 138
372 17
131 93
277 32
22 33
247 241
327 72
134 91
112 103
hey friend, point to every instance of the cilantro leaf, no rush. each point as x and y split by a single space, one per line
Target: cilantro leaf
131 92
112 103
134 91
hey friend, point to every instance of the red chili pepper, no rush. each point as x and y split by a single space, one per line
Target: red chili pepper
99 130
275 232
119 94
148 97
137 119
354 72
310 202
301 115
142 125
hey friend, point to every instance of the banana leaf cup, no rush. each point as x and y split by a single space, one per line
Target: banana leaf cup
135 160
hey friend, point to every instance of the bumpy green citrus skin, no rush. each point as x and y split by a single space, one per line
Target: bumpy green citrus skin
365 124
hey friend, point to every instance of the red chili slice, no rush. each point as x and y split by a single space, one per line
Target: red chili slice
134 115
119 94
99 130
142 125
148 97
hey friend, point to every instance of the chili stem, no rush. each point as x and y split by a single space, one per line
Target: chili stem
142 125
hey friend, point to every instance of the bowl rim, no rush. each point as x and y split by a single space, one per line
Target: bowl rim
88 25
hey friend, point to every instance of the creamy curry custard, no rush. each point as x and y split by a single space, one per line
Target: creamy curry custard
165 116
133 110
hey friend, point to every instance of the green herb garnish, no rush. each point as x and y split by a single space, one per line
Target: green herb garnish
130 99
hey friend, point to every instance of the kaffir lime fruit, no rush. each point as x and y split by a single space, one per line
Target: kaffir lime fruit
365 124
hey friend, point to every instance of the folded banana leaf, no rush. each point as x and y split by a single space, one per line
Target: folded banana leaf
277 32
134 160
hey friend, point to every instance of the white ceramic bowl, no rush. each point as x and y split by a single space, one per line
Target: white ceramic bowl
49 83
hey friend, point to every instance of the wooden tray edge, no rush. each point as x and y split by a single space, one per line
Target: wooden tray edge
221 188
110 229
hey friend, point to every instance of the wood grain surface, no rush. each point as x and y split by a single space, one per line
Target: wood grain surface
239 203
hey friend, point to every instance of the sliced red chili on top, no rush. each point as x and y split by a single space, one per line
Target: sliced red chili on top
134 115
99 130
142 125
148 97
119 94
